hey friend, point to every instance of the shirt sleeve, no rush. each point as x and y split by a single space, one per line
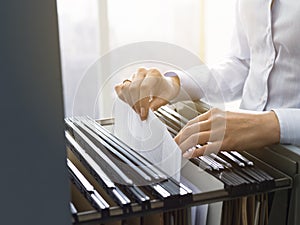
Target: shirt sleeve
228 77
289 122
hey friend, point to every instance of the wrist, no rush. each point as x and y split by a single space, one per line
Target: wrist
172 85
172 76
270 125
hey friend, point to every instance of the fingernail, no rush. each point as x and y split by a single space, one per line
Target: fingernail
189 152
186 155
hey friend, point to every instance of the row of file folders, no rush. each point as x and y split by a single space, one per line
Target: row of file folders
113 184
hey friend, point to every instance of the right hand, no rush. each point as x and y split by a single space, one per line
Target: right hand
148 89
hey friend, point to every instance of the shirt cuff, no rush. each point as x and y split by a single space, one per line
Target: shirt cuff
289 122
199 83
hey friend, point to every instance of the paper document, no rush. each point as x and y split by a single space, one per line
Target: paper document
150 138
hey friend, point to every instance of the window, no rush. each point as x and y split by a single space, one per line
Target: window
89 29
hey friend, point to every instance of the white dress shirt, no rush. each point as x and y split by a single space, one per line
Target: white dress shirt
263 66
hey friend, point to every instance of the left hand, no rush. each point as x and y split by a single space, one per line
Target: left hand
221 130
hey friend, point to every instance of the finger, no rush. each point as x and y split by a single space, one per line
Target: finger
192 129
197 138
202 117
123 91
143 105
157 102
135 87
194 152
140 74
150 82
118 90
213 147
133 76
207 149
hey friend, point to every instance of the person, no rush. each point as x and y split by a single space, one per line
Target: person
262 68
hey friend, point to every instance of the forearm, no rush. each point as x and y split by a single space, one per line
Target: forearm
266 130
222 83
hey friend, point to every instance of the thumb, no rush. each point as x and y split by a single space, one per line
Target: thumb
144 108
157 102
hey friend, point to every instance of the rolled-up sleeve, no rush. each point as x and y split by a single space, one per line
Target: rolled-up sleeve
289 122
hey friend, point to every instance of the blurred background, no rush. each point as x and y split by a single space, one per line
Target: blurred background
90 29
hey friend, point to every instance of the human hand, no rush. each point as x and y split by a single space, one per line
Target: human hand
148 89
219 130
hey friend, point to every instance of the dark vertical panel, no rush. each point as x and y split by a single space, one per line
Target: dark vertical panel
33 176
